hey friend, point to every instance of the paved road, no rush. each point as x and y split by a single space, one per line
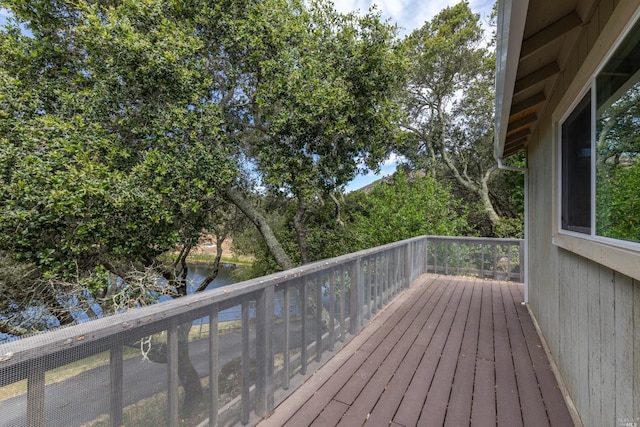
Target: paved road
84 397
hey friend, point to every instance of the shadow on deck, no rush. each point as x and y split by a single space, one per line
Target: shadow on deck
449 351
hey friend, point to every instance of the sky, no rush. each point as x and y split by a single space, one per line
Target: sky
411 14
408 15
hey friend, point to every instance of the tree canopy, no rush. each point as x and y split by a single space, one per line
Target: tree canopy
130 128
449 103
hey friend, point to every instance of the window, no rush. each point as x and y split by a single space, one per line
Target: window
600 165
576 168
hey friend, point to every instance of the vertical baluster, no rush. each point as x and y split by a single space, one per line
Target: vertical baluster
303 313
408 269
116 380
332 310
318 284
357 296
213 366
366 277
287 331
343 295
173 381
495 260
508 246
446 257
435 256
379 281
372 277
385 277
246 370
35 396
482 248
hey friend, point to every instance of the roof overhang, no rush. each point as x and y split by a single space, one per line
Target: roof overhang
534 41
511 19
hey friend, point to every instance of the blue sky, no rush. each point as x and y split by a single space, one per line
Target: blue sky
409 15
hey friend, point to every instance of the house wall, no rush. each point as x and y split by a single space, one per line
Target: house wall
588 313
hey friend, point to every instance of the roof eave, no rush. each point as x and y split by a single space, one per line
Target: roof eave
512 15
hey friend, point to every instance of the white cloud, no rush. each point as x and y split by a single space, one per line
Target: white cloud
394 159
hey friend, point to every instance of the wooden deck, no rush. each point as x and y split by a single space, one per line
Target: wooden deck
450 351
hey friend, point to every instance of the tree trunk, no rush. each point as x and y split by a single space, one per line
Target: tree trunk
486 201
301 231
482 189
275 248
186 371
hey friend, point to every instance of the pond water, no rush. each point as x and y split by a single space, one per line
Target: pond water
199 272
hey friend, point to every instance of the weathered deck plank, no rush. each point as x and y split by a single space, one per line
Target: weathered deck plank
449 351
459 412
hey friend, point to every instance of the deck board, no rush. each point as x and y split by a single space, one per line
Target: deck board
449 351
459 412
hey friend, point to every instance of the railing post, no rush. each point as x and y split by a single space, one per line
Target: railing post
357 296
116 380
35 396
264 351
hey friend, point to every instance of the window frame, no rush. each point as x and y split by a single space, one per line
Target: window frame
620 255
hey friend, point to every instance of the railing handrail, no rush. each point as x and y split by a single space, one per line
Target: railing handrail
151 318
501 240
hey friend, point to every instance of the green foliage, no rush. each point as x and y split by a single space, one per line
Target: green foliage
618 168
409 207
618 203
404 207
449 105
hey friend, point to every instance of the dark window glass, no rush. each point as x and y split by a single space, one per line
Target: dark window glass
576 168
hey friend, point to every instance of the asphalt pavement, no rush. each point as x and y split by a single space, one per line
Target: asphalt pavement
84 397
